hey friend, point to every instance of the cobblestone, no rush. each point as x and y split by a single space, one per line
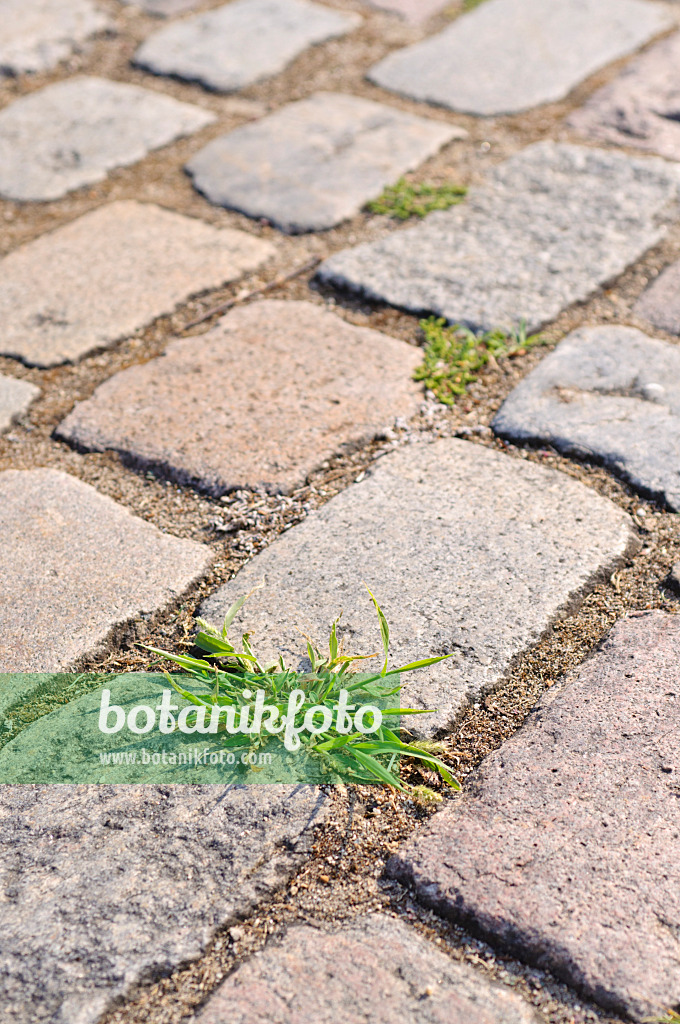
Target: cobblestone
610 394
110 272
551 224
242 42
74 565
508 56
563 849
74 132
15 398
467 551
260 400
316 162
660 303
36 34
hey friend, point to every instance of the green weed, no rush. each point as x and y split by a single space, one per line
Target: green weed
469 5
233 677
405 199
668 1018
454 355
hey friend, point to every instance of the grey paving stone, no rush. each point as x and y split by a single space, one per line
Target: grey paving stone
610 394
415 11
36 34
242 42
15 398
106 887
74 565
373 970
110 272
507 56
564 847
660 303
314 163
165 8
74 132
552 224
261 400
466 549
640 107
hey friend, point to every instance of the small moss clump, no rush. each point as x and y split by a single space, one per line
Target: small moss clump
455 354
405 199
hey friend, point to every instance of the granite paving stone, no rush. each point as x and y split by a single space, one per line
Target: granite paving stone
314 163
242 42
74 565
610 395
415 11
106 887
467 550
564 847
110 272
507 56
36 34
267 395
660 303
72 133
375 970
15 398
641 107
550 225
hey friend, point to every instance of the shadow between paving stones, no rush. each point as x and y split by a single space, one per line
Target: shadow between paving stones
468 552
374 970
108 887
608 394
563 848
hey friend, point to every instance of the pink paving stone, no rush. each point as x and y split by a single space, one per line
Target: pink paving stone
564 848
260 400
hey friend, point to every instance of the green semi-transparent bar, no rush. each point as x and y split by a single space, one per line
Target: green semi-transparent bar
116 728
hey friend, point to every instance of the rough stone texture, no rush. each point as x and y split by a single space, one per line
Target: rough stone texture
466 549
660 303
639 108
507 56
107 274
74 132
15 398
73 565
36 34
242 42
415 11
164 8
551 225
565 846
610 394
373 971
262 399
108 886
316 162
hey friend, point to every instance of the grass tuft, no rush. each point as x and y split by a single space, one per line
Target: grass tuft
405 199
232 679
454 355
671 1017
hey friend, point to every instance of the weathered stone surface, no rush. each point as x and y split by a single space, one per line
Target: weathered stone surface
74 132
415 11
660 303
107 274
565 846
262 399
610 394
36 34
551 225
73 565
640 107
165 8
507 56
316 162
242 42
108 886
466 549
15 398
373 971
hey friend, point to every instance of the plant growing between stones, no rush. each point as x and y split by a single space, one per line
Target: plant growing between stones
232 678
454 354
671 1017
405 199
